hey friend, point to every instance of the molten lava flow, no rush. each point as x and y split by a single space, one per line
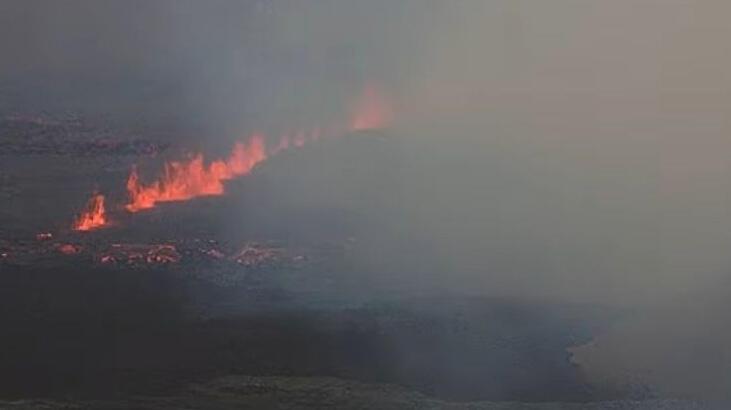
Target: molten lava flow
183 180
69 249
194 177
372 110
94 216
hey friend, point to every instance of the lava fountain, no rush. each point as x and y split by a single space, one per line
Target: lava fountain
183 180
191 178
94 215
194 177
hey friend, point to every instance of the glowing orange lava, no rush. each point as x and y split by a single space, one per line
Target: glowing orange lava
183 180
194 177
94 216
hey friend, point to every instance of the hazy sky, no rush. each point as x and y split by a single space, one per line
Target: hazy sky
567 149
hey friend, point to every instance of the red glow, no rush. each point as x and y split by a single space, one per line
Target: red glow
194 177
94 216
299 139
183 180
283 144
371 111
69 249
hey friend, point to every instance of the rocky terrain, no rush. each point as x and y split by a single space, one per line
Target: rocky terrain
286 293
324 393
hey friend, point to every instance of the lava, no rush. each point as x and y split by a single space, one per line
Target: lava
372 111
68 249
138 254
94 215
183 180
195 177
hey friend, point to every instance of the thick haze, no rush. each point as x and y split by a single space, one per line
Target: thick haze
571 150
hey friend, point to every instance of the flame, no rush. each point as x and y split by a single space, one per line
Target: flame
194 177
371 111
94 216
283 144
183 180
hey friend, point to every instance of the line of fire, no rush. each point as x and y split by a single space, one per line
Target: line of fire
195 177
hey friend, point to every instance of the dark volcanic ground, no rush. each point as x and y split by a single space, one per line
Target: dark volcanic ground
102 332
329 305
